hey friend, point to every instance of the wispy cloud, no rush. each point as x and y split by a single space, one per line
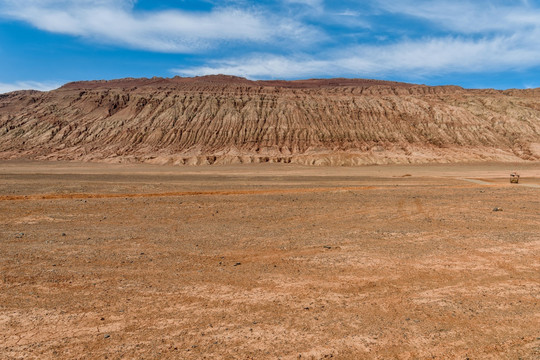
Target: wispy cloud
418 59
480 37
469 17
28 85
407 39
117 22
348 13
317 4
261 66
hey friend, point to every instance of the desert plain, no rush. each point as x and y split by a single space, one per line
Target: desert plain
269 261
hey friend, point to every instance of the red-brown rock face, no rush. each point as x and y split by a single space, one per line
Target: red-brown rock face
224 119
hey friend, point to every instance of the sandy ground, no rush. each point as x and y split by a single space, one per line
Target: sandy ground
269 261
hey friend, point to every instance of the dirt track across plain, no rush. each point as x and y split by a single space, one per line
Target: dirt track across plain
268 261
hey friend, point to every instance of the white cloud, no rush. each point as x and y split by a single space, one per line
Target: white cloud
469 17
483 36
318 4
418 58
258 67
28 85
118 23
480 36
348 13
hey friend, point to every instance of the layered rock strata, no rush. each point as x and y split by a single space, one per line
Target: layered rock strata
224 119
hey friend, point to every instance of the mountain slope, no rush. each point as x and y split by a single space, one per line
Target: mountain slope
225 119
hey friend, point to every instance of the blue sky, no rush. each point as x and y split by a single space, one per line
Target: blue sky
474 44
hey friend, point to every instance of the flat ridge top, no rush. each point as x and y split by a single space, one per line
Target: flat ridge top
224 80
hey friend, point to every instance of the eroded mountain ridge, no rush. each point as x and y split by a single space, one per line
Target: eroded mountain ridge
225 119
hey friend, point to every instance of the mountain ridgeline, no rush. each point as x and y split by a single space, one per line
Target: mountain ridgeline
223 119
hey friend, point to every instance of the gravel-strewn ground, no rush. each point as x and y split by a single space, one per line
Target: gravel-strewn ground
103 261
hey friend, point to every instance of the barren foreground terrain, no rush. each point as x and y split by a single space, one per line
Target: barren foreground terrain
269 261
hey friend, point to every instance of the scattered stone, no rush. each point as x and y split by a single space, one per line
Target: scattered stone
19 235
327 247
63 234
497 209
238 263
106 336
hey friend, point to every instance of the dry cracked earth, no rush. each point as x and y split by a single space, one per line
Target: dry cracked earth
268 261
